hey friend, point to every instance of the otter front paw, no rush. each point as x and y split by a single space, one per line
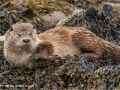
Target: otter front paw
55 57
35 56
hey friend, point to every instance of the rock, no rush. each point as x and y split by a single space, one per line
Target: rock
2 38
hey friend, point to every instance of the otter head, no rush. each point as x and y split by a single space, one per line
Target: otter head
22 35
20 43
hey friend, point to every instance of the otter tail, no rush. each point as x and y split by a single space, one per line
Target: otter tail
115 51
110 49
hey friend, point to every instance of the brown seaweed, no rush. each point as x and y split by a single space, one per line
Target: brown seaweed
66 73
30 11
104 23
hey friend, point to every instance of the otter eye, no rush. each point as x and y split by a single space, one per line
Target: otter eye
34 27
19 35
30 34
11 28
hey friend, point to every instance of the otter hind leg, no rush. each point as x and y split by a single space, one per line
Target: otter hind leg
90 53
90 56
88 44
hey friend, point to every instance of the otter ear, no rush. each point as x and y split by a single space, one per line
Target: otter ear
8 33
34 26
11 28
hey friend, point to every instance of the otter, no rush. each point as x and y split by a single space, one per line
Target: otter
20 43
22 46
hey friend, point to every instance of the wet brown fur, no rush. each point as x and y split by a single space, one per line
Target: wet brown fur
79 41
61 41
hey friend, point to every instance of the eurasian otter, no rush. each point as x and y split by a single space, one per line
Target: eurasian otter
22 44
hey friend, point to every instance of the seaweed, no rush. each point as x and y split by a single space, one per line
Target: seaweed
66 73
104 23
30 11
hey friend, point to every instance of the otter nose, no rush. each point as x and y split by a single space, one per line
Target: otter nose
26 40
